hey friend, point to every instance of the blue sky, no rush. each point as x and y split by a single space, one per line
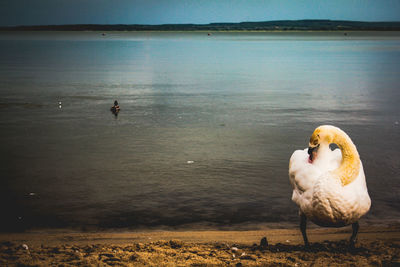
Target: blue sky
44 12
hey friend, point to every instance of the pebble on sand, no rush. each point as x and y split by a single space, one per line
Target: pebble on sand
263 243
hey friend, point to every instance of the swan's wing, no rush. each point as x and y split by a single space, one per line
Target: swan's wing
301 172
335 204
357 192
302 176
296 161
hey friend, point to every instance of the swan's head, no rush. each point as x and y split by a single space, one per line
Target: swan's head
321 135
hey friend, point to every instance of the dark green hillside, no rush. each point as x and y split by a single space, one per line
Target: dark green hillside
282 25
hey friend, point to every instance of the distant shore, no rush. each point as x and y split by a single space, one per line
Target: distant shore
282 25
376 246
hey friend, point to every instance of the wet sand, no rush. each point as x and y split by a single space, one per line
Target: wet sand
376 247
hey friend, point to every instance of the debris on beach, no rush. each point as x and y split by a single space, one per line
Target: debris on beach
239 253
180 253
263 243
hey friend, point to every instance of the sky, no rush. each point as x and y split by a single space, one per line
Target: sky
51 12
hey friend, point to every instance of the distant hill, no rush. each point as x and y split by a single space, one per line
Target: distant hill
279 25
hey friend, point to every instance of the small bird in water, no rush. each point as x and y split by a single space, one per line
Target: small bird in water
329 186
115 109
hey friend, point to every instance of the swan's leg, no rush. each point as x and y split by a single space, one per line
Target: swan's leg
353 237
303 225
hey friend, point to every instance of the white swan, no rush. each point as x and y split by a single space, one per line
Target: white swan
329 186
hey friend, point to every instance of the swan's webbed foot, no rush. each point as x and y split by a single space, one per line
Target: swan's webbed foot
303 225
353 238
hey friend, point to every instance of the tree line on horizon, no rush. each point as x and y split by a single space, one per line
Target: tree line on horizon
282 25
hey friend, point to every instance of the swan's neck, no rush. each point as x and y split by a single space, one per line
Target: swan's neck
350 166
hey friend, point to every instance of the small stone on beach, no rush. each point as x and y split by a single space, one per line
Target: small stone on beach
263 243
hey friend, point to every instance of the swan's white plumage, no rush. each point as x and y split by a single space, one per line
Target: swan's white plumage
319 192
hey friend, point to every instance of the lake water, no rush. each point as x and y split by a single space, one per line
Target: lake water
206 128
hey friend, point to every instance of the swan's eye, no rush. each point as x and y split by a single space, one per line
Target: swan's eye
315 142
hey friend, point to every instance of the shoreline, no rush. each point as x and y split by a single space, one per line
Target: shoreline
376 245
274 235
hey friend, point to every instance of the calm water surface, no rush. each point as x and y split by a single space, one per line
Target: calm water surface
206 130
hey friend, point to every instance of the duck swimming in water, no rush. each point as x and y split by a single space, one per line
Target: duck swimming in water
329 186
115 109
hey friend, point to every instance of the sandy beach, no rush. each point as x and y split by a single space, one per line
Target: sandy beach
376 247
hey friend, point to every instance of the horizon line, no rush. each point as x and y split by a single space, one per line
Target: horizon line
199 24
